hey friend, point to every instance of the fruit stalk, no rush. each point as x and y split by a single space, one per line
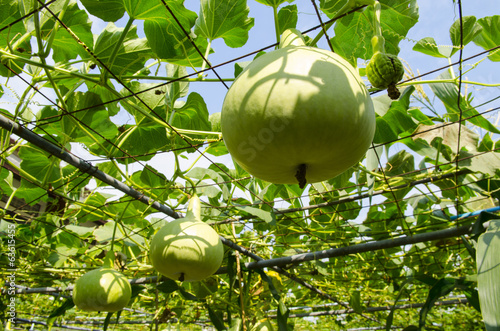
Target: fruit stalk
384 70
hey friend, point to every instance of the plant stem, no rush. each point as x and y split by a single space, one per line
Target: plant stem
205 60
276 25
44 53
452 80
117 47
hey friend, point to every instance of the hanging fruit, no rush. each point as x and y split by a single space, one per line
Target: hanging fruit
298 114
187 249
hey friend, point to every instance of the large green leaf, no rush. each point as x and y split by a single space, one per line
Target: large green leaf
153 182
273 3
166 24
65 46
130 57
85 108
40 165
441 288
331 7
224 19
107 10
142 142
262 214
353 32
287 18
448 94
10 12
170 42
176 89
462 33
193 115
145 9
147 96
490 35
428 46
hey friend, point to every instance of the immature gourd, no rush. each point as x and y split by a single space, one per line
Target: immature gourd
297 114
384 70
187 249
103 289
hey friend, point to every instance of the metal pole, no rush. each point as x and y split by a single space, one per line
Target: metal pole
360 248
81 164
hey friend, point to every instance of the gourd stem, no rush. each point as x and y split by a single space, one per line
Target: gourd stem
378 41
292 37
109 259
301 175
276 23
194 208
377 9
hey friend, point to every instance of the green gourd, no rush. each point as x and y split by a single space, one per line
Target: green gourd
102 289
187 249
488 275
297 115
384 70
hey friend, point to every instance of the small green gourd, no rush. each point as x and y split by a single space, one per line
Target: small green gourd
384 70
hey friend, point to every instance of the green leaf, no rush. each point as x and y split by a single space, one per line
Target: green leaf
384 132
287 18
397 116
269 281
428 46
449 134
487 163
131 56
273 3
168 40
448 94
87 109
9 12
144 9
441 288
40 164
268 217
283 313
353 32
489 36
168 286
224 19
81 231
193 115
488 275
60 311
216 318
208 173
142 142
64 46
464 33
153 182
176 89
331 7
107 320
107 10
147 96
355 302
